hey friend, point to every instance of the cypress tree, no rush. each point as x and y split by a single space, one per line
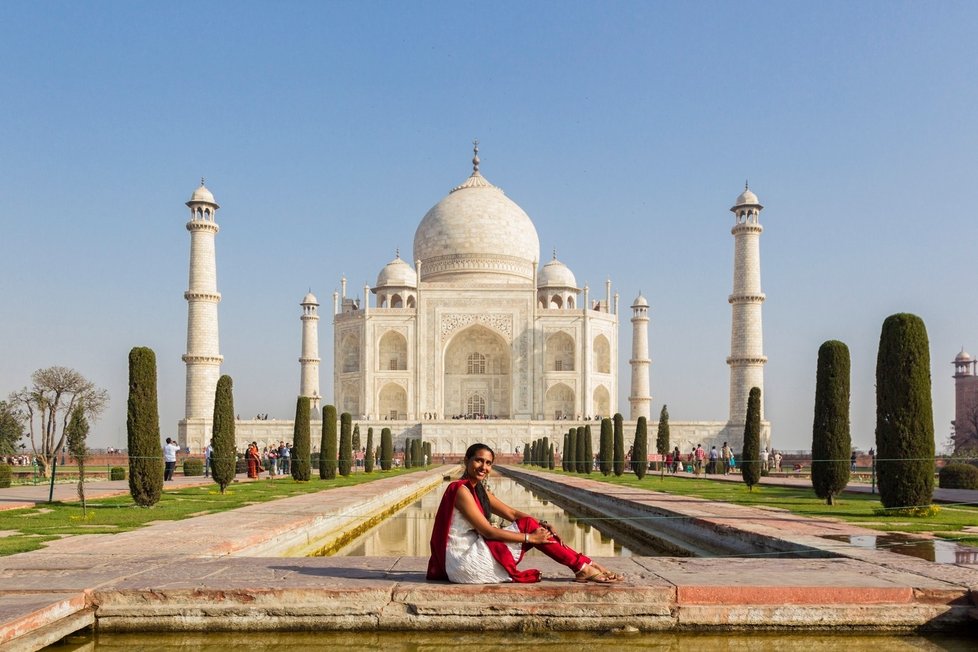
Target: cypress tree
143 429
579 452
346 443
607 448
416 453
386 449
301 435
368 457
408 462
550 458
618 463
640 449
572 451
526 454
563 458
750 465
427 452
77 433
904 414
831 441
328 445
224 458
357 444
536 452
588 450
545 452
662 435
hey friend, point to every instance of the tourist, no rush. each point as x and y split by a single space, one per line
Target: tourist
467 549
208 458
285 458
764 459
169 459
711 468
700 455
852 462
254 460
777 462
271 454
677 459
726 455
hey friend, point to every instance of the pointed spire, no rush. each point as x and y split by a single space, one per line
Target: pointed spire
397 253
746 184
475 156
555 253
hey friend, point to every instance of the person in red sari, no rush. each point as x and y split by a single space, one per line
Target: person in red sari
254 460
467 549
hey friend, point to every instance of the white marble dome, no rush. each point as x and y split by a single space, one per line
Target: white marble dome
397 273
202 194
476 231
747 198
309 299
556 274
964 356
640 302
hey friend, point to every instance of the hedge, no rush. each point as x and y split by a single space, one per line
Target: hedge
957 476
5 475
193 466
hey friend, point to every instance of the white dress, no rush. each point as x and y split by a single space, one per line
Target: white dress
467 556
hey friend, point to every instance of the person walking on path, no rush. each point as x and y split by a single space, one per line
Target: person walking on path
169 459
725 455
254 460
467 549
208 457
700 455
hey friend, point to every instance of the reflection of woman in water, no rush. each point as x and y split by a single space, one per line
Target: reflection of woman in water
467 549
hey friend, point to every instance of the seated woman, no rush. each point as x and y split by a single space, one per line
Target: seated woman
467 549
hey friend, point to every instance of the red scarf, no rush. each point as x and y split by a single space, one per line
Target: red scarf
439 541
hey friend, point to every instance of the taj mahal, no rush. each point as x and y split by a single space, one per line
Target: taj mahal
476 341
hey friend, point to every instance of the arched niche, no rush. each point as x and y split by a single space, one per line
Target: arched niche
392 402
559 352
559 402
477 361
602 355
350 353
602 401
393 352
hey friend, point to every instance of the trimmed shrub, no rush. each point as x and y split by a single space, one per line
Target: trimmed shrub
831 440
572 450
301 444
357 444
750 465
904 414
957 476
117 473
563 458
640 449
346 444
143 429
408 454
417 452
545 452
5 476
588 450
662 435
580 463
224 457
328 445
526 455
386 449
193 466
551 463
368 456
606 450
618 463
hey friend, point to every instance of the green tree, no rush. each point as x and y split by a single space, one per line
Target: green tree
618 463
11 428
640 449
357 444
301 441
545 452
606 451
143 429
662 435
427 452
750 465
563 457
904 414
386 449
580 463
417 453
78 447
550 458
368 457
588 450
526 455
572 451
408 450
346 443
831 440
224 457
328 445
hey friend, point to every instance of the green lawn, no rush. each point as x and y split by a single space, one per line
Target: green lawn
853 507
35 525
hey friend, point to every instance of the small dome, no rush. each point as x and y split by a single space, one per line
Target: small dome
202 194
640 302
310 298
397 273
964 356
556 274
747 198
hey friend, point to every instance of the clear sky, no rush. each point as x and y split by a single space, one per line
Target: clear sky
625 130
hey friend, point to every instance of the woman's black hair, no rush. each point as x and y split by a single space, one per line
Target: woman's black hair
475 448
480 490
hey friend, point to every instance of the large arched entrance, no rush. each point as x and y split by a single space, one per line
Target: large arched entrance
477 375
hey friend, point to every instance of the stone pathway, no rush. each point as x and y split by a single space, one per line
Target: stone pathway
201 574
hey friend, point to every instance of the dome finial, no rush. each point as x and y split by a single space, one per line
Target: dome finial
555 253
397 252
746 185
475 156
202 182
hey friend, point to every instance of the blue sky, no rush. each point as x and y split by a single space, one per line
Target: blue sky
625 130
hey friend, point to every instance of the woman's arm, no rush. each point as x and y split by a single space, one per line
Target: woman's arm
470 510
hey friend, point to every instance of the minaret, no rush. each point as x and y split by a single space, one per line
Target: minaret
965 401
747 357
203 357
309 360
640 400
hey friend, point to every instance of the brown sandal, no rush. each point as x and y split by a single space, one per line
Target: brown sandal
614 577
598 577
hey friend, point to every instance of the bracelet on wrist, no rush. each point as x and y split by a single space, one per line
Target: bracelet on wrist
526 538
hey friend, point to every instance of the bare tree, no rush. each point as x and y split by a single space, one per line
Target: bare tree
48 404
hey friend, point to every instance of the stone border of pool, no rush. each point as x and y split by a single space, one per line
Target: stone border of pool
197 574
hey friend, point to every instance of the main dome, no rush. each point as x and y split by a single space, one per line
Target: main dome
478 232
